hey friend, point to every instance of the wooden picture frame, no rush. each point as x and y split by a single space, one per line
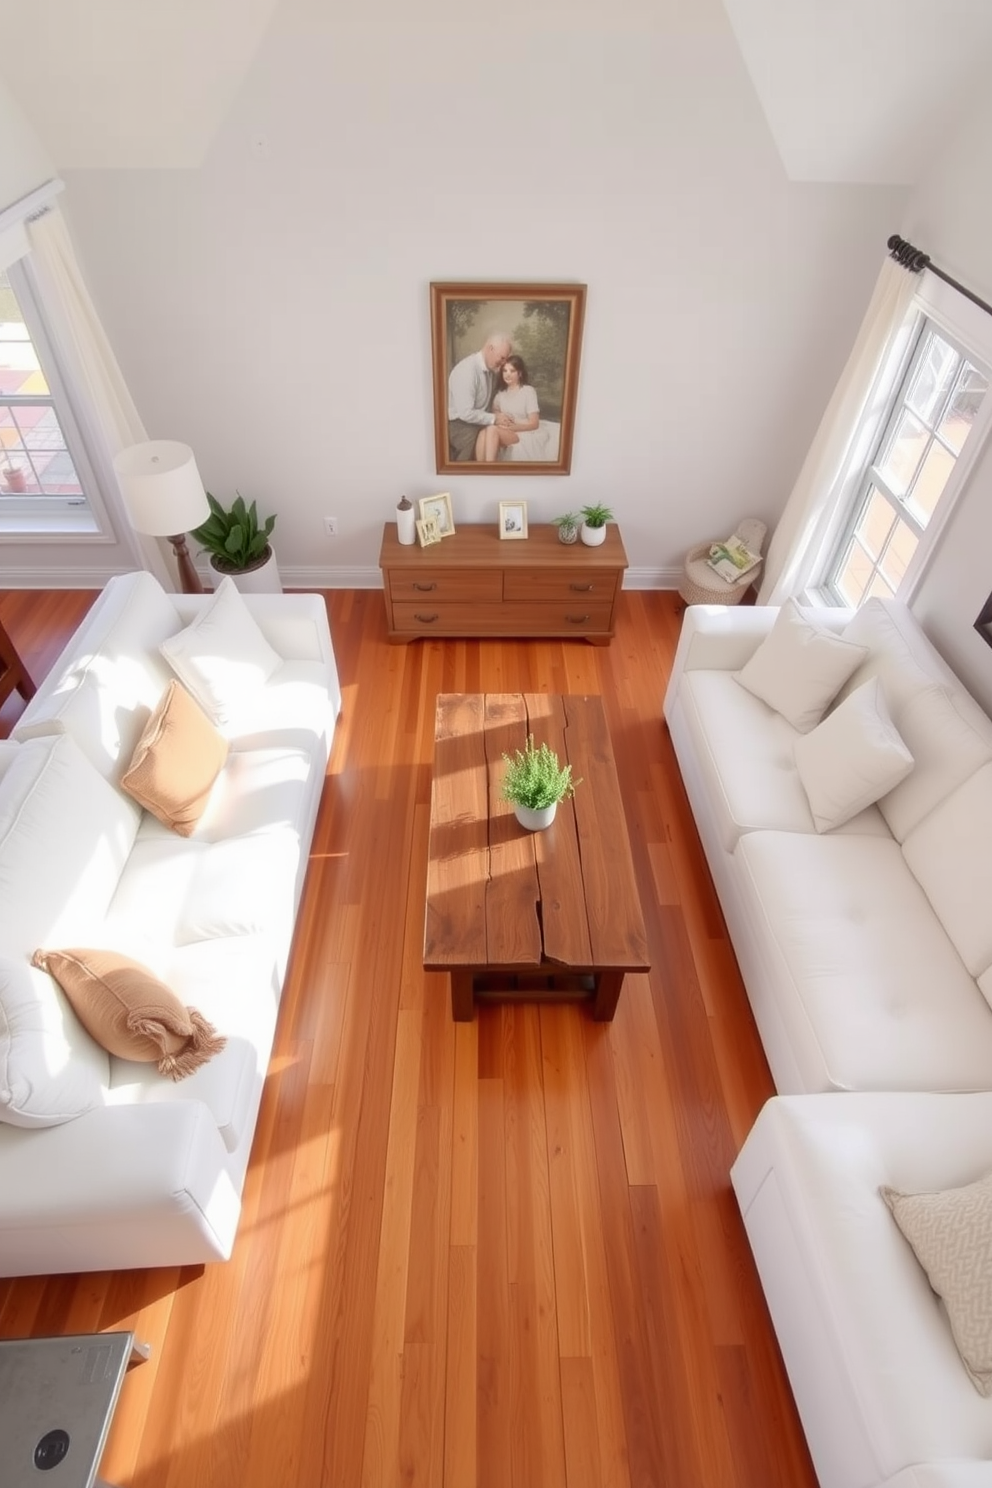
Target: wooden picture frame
513 519
427 531
439 508
476 329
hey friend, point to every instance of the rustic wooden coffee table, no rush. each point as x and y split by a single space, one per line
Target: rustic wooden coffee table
528 915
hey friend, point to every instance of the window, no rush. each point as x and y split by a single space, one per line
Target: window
43 464
914 473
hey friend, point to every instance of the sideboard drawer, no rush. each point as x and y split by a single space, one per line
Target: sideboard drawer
445 585
573 586
501 619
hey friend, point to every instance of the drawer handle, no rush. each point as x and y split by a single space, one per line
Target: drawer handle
576 619
581 588
424 588
426 619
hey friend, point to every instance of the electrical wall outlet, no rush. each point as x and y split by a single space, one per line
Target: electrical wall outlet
331 526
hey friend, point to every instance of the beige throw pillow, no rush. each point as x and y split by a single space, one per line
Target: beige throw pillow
177 759
951 1235
800 667
129 1012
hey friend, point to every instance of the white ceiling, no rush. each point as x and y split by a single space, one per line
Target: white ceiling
853 90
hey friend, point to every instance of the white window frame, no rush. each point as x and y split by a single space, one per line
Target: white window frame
969 328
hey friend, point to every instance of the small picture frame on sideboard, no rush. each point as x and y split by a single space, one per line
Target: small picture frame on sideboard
513 519
439 508
428 531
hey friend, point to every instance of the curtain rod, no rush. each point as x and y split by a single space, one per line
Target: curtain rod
916 261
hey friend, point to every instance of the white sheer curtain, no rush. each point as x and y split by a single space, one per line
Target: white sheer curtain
810 509
54 262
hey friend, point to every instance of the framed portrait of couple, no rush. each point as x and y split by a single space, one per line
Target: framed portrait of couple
505 376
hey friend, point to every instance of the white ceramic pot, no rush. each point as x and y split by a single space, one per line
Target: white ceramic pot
263 579
592 536
535 820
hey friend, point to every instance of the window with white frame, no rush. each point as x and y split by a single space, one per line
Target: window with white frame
45 475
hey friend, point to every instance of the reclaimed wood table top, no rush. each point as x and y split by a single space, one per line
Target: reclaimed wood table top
500 896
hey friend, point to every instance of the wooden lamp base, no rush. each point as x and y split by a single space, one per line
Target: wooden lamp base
189 579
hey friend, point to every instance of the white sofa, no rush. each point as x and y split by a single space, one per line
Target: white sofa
148 1172
866 952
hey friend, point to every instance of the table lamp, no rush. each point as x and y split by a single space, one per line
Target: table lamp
164 497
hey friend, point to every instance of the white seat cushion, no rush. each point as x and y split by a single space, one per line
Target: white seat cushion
870 989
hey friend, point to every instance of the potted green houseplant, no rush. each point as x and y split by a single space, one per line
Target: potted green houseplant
594 523
568 526
239 545
535 782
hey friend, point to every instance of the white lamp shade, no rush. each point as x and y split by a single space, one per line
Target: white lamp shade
161 487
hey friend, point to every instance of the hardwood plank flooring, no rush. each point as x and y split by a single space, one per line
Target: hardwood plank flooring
502 1254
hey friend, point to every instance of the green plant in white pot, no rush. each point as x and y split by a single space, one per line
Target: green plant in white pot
534 782
568 525
594 520
239 545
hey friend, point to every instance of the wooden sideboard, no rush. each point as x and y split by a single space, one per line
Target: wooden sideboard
475 583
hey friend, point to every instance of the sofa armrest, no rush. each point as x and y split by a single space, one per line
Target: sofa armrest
958 1474
117 1188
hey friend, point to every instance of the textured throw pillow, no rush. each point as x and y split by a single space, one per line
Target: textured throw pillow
800 667
178 758
129 1012
222 656
852 758
951 1236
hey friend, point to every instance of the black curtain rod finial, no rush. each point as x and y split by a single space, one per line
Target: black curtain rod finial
904 253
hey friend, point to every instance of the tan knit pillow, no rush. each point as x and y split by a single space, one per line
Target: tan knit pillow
177 759
128 1011
951 1235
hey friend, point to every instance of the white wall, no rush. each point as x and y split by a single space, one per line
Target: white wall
271 308
24 163
950 217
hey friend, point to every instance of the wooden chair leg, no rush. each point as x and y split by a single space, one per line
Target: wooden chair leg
13 672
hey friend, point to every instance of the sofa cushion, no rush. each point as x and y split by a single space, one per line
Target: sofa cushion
852 758
50 1068
103 687
799 667
949 855
176 761
869 989
951 1236
65 836
130 1012
222 656
943 727
747 755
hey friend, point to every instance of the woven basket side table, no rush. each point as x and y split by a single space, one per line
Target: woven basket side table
702 585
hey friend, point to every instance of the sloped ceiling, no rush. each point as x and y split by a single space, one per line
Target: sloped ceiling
853 90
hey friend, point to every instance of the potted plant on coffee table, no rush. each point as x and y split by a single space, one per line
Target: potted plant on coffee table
594 523
534 782
239 545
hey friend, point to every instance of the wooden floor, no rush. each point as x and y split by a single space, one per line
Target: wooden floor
502 1253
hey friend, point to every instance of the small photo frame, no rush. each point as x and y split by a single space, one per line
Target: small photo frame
513 519
428 531
439 507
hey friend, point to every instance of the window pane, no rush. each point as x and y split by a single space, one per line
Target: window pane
854 574
964 405
34 460
875 523
878 588
931 482
903 453
898 554
933 378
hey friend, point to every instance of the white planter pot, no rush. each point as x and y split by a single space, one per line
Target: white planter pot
536 820
592 536
261 580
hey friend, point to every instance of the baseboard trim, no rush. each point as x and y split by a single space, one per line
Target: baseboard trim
293 578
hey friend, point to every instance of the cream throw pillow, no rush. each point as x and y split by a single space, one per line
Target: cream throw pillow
129 1012
800 667
177 759
951 1236
222 656
852 758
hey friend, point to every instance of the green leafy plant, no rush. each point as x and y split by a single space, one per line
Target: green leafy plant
534 777
568 519
233 537
597 515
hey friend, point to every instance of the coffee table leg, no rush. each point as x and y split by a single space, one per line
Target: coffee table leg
462 999
608 985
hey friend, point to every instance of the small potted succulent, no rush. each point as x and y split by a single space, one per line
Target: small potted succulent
239 545
594 520
534 782
568 526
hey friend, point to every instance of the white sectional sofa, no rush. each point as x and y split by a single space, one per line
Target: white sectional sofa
866 952
105 1163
